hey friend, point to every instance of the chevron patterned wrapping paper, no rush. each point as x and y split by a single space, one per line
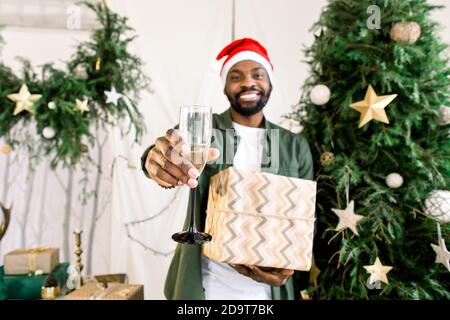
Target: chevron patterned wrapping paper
260 219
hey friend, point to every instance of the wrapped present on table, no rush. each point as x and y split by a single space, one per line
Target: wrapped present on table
261 219
110 291
29 287
30 261
112 278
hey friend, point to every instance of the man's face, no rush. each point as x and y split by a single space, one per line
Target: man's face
248 87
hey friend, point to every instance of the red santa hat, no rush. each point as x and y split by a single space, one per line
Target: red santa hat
244 49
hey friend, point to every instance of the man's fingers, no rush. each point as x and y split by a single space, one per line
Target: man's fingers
164 146
285 272
157 173
276 277
177 140
172 154
213 154
241 269
182 173
170 167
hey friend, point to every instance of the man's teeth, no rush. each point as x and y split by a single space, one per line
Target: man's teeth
249 96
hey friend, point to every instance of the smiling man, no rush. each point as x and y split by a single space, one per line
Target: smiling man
247 77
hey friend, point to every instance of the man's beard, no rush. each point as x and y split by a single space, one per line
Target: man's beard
249 111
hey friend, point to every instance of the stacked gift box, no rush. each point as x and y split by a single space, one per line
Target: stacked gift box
25 270
259 218
107 291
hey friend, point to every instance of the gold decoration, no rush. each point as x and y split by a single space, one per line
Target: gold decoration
6 218
407 32
81 105
314 273
372 107
98 64
84 148
50 293
326 158
348 218
304 295
6 149
78 251
24 100
378 272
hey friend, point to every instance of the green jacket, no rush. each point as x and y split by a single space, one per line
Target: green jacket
184 278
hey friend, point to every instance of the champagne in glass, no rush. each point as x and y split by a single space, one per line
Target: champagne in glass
198 156
196 128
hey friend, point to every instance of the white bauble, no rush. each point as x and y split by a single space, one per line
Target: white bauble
437 205
394 180
444 117
320 94
291 125
51 105
48 132
81 72
407 32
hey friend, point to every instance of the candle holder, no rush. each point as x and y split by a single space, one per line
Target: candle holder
78 251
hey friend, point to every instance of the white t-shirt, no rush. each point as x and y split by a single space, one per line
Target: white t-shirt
220 280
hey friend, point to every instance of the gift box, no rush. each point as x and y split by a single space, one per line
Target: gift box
111 278
261 219
29 287
110 291
28 261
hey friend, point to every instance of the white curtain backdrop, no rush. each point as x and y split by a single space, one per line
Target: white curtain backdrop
178 40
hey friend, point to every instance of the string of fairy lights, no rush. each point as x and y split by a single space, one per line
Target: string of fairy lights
128 225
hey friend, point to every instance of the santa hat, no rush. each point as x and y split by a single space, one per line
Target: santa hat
244 49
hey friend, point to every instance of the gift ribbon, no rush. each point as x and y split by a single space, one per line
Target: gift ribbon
32 257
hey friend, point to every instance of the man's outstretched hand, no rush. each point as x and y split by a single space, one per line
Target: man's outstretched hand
167 163
270 276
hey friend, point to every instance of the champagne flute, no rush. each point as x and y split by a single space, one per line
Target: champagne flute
196 128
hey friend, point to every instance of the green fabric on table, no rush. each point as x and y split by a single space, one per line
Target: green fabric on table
3 295
29 287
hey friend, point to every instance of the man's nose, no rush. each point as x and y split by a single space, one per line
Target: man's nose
248 81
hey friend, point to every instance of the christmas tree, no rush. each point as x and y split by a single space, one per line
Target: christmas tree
373 113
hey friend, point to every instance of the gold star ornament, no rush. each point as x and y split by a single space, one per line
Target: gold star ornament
314 273
378 272
347 218
6 149
81 105
24 100
372 107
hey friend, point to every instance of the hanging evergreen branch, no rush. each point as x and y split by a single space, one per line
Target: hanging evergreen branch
99 64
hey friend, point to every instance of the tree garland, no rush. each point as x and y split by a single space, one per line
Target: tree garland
100 65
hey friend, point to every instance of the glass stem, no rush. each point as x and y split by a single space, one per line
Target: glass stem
192 222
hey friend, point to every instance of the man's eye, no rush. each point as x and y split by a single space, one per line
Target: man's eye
259 76
234 78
